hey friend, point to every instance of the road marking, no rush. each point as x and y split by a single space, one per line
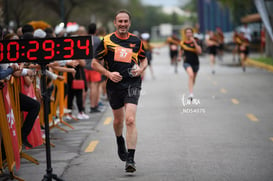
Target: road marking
107 121
91 147
252 117
224 91
271 138
235 101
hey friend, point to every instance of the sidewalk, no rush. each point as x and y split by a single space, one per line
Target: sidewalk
258 64
67 147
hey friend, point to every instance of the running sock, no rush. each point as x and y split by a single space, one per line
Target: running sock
120 140
131 153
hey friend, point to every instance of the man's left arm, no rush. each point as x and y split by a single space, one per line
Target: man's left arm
141 68
143 61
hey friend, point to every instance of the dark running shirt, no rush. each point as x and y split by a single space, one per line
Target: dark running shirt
120 55
190 56
173 44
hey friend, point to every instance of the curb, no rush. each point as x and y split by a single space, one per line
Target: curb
255 63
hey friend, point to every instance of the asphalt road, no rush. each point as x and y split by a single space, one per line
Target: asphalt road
226 134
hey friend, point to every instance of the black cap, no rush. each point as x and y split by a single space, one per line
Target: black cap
27 28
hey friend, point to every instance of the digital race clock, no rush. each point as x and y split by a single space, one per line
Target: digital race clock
45 50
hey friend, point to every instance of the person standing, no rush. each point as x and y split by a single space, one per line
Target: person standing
263 39
93 77
191 51
125 60
246 31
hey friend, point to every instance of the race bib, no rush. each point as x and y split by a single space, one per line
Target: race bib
173 47
123 54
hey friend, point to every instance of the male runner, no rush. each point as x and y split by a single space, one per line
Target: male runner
220 37
212 44
173 43
124 56
243 42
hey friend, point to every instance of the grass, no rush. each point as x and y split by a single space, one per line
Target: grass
266 60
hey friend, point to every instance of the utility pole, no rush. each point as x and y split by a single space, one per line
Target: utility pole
6 13
62 11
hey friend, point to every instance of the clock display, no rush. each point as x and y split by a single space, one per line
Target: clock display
45 50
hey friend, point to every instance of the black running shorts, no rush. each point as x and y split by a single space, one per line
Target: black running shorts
173 53
118 98
213 50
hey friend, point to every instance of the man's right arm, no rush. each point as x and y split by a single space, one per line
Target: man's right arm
114 76
99 68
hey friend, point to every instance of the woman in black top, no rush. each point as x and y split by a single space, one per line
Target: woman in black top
191 51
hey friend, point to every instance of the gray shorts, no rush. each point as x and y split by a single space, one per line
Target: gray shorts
195 68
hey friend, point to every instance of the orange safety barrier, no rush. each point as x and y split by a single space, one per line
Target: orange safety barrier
53 122
60 101
9 133
14 89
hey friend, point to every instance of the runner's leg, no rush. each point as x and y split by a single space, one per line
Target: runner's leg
175 63
118 128
131 133
212 62
131 136
243 59
191 79
118 121
194 77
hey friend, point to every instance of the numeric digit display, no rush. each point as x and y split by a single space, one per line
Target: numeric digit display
45 50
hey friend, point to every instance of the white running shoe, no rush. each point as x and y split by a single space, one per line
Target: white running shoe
67 117
191 96
80 116
85 116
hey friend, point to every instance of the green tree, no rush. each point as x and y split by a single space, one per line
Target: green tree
62 8
191 6
18 10
23 11
174 18
239 8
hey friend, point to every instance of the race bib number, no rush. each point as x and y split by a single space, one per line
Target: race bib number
123 54
173 47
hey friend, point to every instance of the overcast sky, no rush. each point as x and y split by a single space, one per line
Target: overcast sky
164 2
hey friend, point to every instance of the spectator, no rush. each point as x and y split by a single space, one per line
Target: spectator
93 77
246 32
263 39
27 104
72 29
27 28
